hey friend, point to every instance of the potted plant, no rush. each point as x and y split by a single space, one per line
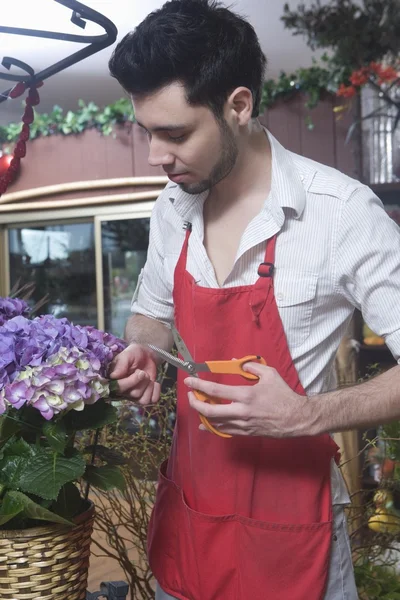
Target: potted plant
53 387
363 62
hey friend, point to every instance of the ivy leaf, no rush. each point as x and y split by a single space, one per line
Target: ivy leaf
15 503
56 435
46 473
94 416
105 478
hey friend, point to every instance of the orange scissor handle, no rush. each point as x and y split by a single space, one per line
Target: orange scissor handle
235 366
226 366
203 398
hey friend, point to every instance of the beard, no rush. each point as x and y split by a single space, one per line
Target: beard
225 164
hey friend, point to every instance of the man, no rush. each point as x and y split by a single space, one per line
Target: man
253 250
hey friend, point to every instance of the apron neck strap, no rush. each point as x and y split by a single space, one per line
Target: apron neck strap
182 261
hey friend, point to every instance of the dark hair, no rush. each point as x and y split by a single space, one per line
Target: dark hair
203 45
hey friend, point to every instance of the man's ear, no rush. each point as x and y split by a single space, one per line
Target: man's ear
240 106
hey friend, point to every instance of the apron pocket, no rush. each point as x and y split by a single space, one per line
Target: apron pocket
205 557
292 561
191 555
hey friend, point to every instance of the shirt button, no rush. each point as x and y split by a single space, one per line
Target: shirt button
279 297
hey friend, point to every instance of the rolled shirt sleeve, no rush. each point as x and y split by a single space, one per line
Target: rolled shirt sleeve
367 264
153 294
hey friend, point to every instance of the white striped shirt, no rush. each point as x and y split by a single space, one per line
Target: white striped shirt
337 249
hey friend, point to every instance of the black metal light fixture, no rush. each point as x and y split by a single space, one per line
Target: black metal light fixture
94 43
31 80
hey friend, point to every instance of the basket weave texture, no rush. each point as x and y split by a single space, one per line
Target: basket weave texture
46 563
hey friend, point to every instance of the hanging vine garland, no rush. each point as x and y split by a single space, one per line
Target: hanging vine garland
32 100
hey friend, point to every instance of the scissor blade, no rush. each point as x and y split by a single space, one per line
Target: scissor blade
180 345
170 358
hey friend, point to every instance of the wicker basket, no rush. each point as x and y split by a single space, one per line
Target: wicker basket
46 563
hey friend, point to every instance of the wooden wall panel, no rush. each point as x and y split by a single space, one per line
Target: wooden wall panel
60 159
325 143
318 143
283 121
118 153
141 166
347 155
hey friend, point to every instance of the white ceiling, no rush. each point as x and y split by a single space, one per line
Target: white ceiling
89 79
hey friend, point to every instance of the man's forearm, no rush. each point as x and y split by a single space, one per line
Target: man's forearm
143 330
358 407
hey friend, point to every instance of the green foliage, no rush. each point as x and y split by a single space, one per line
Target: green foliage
87 116
355 32
40 466
46 472
312 82
377 582
105 478
18 504
94 416
390 435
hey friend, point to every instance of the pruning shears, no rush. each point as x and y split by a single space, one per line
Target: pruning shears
234 367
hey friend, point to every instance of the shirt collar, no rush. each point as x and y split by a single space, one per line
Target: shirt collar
287 189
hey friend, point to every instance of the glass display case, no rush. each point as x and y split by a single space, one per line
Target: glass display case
87 267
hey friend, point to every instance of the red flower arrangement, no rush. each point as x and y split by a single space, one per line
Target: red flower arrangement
375 73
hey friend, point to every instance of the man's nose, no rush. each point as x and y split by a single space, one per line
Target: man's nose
159 156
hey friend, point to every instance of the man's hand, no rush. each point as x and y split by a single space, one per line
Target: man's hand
136 372
268 408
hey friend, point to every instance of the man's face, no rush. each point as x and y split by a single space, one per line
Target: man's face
194 148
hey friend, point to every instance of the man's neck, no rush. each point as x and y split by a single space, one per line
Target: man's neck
252 171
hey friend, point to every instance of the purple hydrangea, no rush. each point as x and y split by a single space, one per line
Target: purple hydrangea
12 307
51 363
67 381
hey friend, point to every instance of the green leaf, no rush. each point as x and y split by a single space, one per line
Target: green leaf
10 508
46 473
31 509
69 501
108 455
17 447
56 435
105 478
11 470
14 456
94 416
8 427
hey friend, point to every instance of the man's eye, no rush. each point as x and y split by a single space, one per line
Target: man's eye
177 139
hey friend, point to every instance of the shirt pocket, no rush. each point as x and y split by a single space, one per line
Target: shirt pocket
295 294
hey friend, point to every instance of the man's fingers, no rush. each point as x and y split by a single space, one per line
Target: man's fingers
234 393
121 365
135 384
216 411
256 368
147 394
156 393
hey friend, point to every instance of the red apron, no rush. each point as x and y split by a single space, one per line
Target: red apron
246 518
